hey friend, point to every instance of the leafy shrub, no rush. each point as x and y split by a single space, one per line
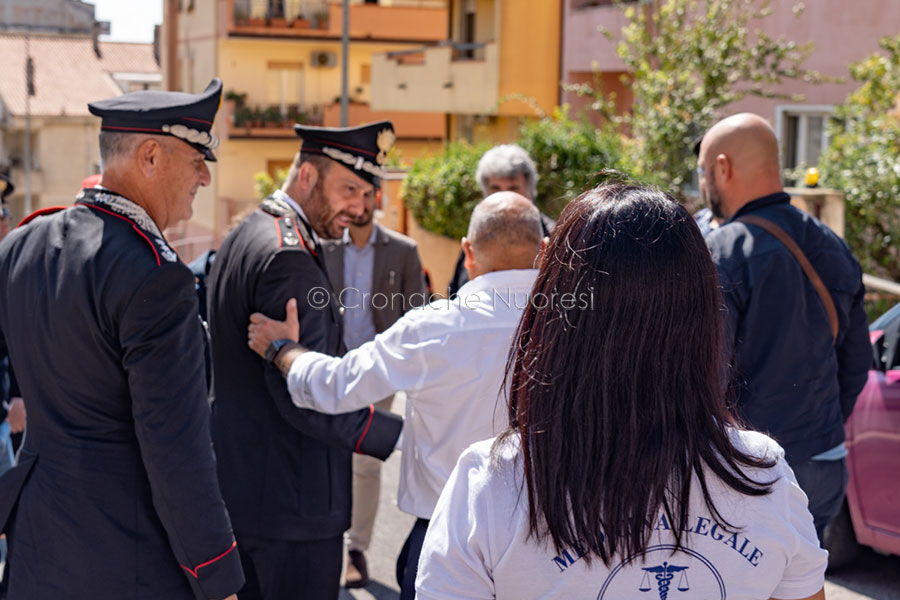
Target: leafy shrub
862 161
264 184
441 191
569 154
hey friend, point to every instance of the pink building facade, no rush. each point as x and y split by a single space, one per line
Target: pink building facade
842 33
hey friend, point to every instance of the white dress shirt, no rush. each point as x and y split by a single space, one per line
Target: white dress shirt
449 357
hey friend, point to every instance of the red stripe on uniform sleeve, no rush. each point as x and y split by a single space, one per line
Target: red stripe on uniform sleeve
278 229
366 430
209 562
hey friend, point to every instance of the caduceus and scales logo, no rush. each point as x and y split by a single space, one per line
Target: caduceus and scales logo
667 577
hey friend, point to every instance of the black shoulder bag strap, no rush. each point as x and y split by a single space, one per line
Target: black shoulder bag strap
807 267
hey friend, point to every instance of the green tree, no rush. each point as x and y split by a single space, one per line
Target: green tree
441 191
569 154
862 160
687 59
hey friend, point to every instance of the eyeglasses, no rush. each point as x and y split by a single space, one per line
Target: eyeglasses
700 171
4 213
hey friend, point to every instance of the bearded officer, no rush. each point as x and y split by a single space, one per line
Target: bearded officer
115 494
286 472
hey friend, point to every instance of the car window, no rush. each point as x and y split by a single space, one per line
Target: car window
883 321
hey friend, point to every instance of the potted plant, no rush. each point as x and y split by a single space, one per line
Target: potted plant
238 99
256 17
240 16
294 115
233 101
243 117
277 20
320 20
258 119
272 117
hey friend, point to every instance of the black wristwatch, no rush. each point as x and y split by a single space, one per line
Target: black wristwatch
274 348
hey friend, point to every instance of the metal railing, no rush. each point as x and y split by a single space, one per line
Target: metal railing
472 51
250 11
884 285
314 11
276 115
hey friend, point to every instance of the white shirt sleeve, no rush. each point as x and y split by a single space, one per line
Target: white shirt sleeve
804 574
455 559
395 360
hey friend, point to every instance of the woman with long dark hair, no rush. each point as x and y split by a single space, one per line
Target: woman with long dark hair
622 473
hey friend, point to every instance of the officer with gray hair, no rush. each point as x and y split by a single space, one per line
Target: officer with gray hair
503 168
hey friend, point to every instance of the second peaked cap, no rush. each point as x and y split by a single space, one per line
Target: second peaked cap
362 149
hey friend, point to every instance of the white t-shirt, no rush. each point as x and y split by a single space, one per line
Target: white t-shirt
477 545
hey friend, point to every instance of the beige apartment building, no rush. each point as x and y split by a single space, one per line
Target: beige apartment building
280 63
71 67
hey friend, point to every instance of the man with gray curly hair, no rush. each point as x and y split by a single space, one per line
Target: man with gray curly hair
507 168
503 168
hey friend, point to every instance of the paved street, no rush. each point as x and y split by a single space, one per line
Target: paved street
871 577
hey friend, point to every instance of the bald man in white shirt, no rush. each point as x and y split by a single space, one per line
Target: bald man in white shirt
449 357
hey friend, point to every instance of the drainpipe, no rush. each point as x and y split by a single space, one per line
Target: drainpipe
562 48
29 92
345 60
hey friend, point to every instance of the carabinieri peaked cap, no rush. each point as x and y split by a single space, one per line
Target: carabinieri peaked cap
362 149
185 116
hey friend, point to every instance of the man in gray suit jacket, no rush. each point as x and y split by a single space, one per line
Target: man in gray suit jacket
377 276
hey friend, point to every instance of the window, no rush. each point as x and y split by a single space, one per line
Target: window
467 27
802 134
284 85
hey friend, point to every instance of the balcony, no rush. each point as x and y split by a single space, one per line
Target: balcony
407 125
449 78
397 20
267 121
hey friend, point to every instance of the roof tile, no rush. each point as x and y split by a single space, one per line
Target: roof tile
68 74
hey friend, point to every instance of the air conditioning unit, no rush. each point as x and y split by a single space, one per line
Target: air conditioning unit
321 60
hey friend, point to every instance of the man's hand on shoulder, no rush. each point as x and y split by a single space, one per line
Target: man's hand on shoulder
16 415
264 331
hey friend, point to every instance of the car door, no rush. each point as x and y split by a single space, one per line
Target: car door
873 436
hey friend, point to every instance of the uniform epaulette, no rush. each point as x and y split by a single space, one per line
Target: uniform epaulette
288 236
275 207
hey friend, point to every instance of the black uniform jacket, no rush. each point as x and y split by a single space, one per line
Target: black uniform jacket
792 379
115 494
285 472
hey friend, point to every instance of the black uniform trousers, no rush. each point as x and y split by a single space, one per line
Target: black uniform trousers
290 569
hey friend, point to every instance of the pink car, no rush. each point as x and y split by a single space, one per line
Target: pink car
869 516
